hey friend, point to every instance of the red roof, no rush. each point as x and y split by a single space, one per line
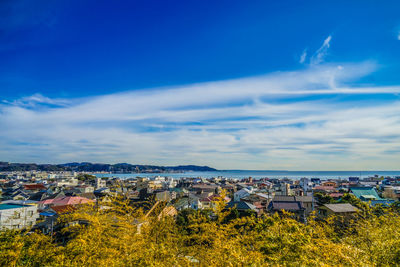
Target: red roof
61 201
34 186
334 195
63 208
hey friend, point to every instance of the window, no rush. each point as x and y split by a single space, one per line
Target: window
30 213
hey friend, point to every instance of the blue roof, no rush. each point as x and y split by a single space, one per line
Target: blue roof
47 214
368 194
10 206
364 193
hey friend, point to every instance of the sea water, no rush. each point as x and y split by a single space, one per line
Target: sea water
239 174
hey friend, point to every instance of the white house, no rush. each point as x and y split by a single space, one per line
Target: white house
305 184
14 216
242 193
100 183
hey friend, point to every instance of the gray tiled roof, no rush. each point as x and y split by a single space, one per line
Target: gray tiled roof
293 198
286 205
341 207
241 205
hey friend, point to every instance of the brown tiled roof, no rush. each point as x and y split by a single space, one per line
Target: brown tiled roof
34 186
63 208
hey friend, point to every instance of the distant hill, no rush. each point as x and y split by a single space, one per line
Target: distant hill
192 168
100 167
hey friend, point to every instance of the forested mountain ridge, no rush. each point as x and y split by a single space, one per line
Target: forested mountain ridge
100 167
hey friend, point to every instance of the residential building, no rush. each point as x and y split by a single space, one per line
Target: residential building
369 194
294 207
242 193
15 216
100 183
242 207
342 209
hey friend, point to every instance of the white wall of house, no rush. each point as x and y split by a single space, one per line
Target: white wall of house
242 193
100 183
19 217
68 182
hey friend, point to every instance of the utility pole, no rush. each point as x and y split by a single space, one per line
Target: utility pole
52 220
312 198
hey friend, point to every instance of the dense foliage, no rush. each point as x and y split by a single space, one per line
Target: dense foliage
123 236
87 178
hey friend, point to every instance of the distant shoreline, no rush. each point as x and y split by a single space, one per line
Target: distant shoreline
239 174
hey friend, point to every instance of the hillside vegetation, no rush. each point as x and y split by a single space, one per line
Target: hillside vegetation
99 167
123 236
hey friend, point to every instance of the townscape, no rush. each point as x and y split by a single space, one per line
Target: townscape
34 199
199 133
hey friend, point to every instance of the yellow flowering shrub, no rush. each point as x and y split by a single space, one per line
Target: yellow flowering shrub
118 234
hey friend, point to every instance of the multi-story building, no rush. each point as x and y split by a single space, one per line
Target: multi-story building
15 216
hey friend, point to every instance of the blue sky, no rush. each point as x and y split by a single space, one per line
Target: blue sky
297 85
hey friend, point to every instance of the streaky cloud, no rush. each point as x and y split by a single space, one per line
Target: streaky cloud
321 53
240 123
303 56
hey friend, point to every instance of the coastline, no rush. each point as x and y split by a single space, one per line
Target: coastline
239 174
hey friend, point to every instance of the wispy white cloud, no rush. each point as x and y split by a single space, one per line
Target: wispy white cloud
280 120
303 56
37 100
321 53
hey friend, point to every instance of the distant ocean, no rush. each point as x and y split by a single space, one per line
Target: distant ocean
259 174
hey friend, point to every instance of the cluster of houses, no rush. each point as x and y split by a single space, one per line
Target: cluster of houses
36 199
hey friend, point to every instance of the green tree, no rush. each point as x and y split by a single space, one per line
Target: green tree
87 178
323 198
